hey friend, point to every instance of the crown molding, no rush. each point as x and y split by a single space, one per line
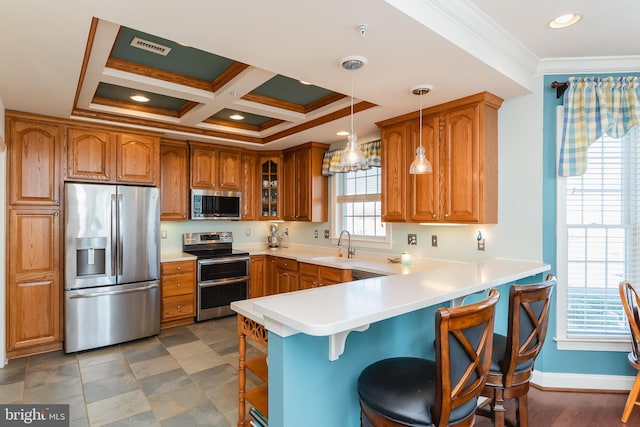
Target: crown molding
589 65
468 27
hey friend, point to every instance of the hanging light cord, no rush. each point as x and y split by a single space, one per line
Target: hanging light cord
351 72
420 119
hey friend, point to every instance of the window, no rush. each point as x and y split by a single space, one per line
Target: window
598 230
357 206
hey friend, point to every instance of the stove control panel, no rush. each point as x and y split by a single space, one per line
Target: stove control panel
207 238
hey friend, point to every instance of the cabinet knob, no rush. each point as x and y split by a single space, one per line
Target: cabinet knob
179 306
57 202
56 214
184 216
179 285
179 268
446 215
435 216
119 176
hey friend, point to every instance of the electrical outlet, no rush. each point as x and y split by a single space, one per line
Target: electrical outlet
326 234
164 234
434 240
315 233
412 239
481 245
247 231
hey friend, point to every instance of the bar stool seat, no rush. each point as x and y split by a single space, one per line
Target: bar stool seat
411 391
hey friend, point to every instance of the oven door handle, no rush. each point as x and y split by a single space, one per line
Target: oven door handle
223 282
211 261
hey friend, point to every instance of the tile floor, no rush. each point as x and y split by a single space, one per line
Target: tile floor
185 376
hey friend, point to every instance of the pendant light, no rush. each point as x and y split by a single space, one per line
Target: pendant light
352 154
420 165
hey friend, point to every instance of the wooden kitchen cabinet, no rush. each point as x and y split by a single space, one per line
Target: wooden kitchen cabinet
33 162
281 275
34 293
249 187
270 183
178 282
137 159
286 275
393 148
305 189
215 168
257 271
313 275
461 141
90 154
108 156
174 181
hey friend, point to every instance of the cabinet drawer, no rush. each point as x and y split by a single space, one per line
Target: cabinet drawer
177 267
308 269
178 306
286 264
330 276
178 284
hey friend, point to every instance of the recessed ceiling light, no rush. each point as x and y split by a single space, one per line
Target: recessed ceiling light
342 133
139 98
565 20
236 117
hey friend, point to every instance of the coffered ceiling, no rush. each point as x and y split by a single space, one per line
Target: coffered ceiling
276 63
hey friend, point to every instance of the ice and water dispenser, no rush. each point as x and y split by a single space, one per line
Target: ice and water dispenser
90 256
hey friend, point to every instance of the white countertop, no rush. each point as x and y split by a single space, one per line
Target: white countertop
338 309
176 256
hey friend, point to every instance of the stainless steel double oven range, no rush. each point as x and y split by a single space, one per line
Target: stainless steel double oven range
222 273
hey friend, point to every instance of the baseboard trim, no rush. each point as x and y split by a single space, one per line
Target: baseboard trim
583 382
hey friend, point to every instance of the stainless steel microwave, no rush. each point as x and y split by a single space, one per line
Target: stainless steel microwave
211 204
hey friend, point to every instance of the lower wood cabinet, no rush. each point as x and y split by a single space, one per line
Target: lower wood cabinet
313 275
257 269
178 293
34 293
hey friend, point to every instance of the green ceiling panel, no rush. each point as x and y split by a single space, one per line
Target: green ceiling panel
291 90
106 90
183 60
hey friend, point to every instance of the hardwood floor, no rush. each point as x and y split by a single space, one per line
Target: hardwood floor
565 409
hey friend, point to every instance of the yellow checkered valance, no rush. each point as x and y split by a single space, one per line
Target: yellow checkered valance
331 161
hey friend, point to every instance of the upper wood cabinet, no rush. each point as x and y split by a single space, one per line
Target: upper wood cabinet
102 155
461 141
250 190
270 185
215 168
174 181
137 159
305 189
34 163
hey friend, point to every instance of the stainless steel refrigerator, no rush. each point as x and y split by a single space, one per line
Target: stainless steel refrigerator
112 264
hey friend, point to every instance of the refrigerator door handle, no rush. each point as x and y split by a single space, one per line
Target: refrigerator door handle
114 230
125 291
120 235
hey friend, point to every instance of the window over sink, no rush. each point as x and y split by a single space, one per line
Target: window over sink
356 207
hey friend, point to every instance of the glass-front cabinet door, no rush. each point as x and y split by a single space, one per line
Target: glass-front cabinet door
270 188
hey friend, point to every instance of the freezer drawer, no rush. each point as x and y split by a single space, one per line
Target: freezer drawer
109 315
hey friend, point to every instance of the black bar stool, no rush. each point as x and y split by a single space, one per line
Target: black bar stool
410 391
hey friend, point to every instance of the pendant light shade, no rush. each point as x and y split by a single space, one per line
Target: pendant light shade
352 155
420 164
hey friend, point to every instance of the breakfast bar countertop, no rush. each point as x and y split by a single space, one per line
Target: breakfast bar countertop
336 310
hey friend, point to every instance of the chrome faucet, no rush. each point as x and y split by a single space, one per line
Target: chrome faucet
350 250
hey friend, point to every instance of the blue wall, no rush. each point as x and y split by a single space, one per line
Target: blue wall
552 359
